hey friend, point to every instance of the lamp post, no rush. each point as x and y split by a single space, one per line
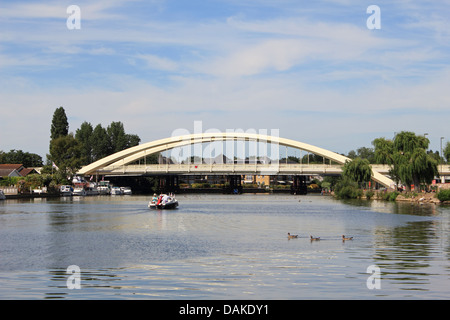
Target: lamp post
442 177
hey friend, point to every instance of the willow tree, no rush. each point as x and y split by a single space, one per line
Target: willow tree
408 158
447 152
358 170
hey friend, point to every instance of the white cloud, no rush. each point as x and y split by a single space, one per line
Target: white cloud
159 63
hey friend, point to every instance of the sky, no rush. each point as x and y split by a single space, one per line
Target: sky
313 70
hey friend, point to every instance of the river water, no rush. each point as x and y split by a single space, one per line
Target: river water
223 247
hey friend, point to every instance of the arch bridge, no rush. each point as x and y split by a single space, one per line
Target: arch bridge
129 161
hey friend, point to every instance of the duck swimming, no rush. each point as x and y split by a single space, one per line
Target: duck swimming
344 238
314 239
292 236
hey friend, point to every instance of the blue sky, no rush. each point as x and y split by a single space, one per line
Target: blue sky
311 69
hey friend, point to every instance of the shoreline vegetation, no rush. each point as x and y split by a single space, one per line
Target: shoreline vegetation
440 197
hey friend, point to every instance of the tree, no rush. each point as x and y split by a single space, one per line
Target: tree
408 158
100 143
18 156
84 136
358 170
352 154
363 153
132 140
366 153
66 153
60 125
384 151
446 152
117 137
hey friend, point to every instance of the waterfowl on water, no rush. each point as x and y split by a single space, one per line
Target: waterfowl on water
292 236
344 238
313 238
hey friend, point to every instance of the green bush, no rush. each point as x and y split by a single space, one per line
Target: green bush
369 194
347 189
390 196
444 195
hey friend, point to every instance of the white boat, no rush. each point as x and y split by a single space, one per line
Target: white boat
104 187
66 191
79 191
91 190
116 191
126 190
164 201
2 195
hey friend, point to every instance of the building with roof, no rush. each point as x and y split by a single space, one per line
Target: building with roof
15 170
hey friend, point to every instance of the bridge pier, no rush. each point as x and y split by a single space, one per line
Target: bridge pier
168 184
235 184
299 185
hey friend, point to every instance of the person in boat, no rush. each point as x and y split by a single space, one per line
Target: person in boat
165 199
155 198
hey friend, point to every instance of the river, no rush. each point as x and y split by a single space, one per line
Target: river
223 247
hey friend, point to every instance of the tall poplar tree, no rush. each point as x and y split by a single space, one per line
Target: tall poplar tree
84 136
60 125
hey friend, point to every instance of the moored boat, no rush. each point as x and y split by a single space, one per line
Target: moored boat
116 191
66 191
91 190
126 190
79 191
104 187
2 195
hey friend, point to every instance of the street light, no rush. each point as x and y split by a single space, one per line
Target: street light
442 178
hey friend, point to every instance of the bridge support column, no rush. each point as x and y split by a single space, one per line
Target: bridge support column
299 185
168 184
235 186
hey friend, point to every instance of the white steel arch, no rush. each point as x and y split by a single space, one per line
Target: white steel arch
132 154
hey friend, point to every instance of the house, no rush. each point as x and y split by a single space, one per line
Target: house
15 170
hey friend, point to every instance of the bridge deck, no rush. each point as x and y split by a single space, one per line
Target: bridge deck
238 169
225 169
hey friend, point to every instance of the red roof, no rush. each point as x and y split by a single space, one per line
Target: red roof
6 169
11 166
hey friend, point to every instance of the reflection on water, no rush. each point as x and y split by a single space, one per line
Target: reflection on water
223 247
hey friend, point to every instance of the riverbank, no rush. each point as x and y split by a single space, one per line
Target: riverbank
427 197
32 196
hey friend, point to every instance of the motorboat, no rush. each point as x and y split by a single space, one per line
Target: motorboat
66 190
103 187
116 191
79 191
164 201
2 195
91 190
126 190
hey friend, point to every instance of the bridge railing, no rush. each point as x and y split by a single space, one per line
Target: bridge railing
226 168
241 168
